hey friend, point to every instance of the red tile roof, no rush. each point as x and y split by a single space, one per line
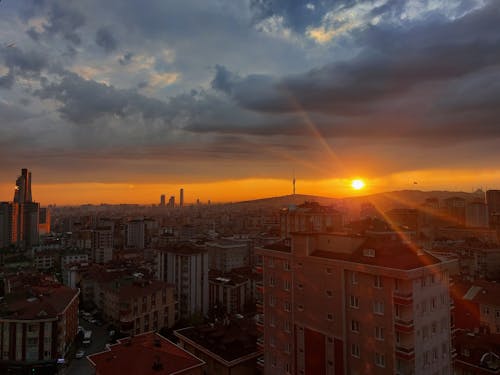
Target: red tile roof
37 303
136 356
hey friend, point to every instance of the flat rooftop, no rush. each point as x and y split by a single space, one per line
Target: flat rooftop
145 354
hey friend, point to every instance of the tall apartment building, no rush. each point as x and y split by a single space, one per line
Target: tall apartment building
493 202
44 221
136 234
186 266
102 243
27 233
9 217
338 304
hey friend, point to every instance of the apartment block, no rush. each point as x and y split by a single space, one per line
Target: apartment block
340 304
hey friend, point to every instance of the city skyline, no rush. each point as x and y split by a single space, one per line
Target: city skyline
122 102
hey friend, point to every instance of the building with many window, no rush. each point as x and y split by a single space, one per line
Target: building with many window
37 324
338 304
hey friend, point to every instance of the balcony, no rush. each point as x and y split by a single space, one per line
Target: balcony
405 325
260 342
260 361
260 306
259 320
407 353
403 298
259 285
258 268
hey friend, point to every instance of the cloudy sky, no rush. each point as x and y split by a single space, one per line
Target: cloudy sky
122 100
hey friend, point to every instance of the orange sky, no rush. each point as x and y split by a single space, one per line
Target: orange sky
244 189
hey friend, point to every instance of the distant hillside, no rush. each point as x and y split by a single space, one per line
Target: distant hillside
384 201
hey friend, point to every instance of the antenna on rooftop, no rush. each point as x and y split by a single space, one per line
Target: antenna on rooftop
293 181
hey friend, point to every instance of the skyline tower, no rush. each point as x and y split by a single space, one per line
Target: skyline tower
28 217
162 200
22 193
181 198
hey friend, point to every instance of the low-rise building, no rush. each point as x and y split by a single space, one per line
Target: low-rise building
228 348
476 354
37 325
145 354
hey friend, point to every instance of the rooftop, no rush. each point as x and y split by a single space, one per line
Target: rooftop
145 354
481 350
37 302
233 341
384 253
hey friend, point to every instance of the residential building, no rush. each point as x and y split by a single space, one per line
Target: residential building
225 255
310 216
136 234
228 349
145 354
229 292
186 266
339 304
476 354
9 217
136 305
37 325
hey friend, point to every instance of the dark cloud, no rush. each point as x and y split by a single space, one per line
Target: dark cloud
126 58
104 38
7 80
83 101
63 20
26 63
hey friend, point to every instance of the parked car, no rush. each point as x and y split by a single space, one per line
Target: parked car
80 354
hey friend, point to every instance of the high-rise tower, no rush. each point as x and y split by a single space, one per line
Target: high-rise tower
28 217
181 198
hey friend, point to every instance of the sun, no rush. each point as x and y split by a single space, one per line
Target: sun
357 184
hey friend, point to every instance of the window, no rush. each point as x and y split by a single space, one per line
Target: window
355 350
378 307
286 326
300 286
270 262
354 302
272 281
286 306
379 333
354 278
425 333
300 307
396 284
287 347
433 303
329 316
287 368
272 300
286 265
329 293
422 282
286 284
433 328
434 354
329 271
377 282
354 326
379 359
444 350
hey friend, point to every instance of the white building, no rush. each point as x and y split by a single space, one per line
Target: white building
186 266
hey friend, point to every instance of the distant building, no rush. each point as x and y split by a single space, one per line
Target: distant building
335 304
136 234
44 221
145 354
162 200
171 202
225 255
28 218
137 305
476 353
9 218
493 202
186 266
476 214
227 349
102 242
310 216
455 211
38 326
229 292
181 198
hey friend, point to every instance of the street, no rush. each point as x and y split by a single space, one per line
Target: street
99 340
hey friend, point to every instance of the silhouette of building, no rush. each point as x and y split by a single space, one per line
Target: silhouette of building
181 198
371 305
493 202
28 218
44 221
162 200
476 214
9 219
